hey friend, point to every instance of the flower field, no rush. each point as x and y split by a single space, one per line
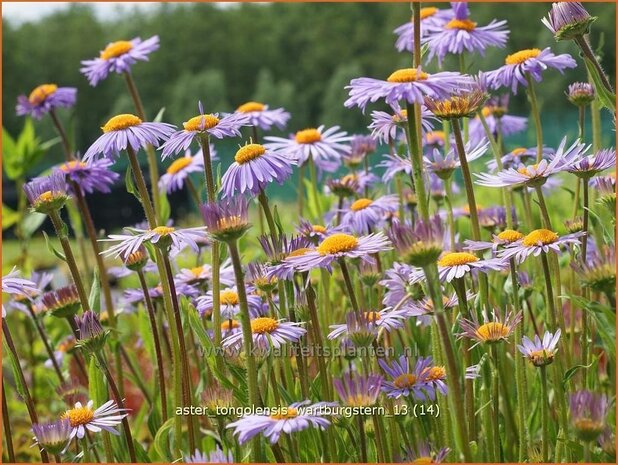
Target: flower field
432 292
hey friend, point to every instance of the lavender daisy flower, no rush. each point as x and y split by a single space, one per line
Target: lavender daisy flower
431 18
460 35
424 454
540 352
229 302
518 156
63 347
163 236
444 165
210 124
356 390
83 418
395 164
118 57
537 242
454 265
365 214
262 117
587 167
47 193
361 146
268 333
399 284
338 246
386 319
315 233
497 120
598 271
386 127
588 414
297 417
504 238
420 245
227 219
216 456
44 99
536 174
127 131
568 20
15 285
408 84
499 328
408 382
53 437
253 169
530 62
434 139
324 146
580 93
91 176
202 274
180 169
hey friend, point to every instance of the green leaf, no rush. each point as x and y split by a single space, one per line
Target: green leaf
573 370
31 222
166 210
128 181
9 217
159 117
94 299
52 249
97 388
75 218
140 452
606 98
21 389
161 441
10 157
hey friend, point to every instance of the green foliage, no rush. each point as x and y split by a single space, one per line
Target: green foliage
20 155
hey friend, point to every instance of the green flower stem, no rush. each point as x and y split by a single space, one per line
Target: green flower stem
245 321
536 116
544 416
496 402
195 195
119 400
153 167
416 158
21 381
543 207
448 187
314 185
455 394
8 436
141 188
595 120
416 18
43 335
61 232
157 344
263 199
349 286
301 198
360 420
319 341
583 44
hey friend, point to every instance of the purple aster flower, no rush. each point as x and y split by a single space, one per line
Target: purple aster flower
297 417
163 236
180 169
136 296
460 35
399 284
386 127
537 242
580 93
315 233
44 99
425 307
216 456
444 165
228 299
530 62
202 274
504 238
408 382
431 18
536 174
587 167
568 20
455 265
64 346
373 321
338 246
490 331
540 352
91 176
518 156
226 219
395 164
598 271
418 245
588 413
210 124
47 193
324 146
253 169
127 131
351 184
356 390
83 417
14 285
118 57
366 214
424 454
268 333
262 117
408 84
497 119
361 146
53 437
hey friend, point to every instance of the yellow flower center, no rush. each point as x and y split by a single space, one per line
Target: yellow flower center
251 106
231 222
359 400
337 243
435 136
290 412
318 228
435 373
197 271
544 236
510 235
163 230
249 152
525 170
116 49
518 151
405 381
179 165
462 24
372 316
587 424
401 116
540 356
457 258
201 123
119 122
40 93
407 75
423 460
492 331
135 257
428 11
299 252
308 136
263 325
69 165
518 58
228 297
361 204
46 196
229 324
67 345
79 416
